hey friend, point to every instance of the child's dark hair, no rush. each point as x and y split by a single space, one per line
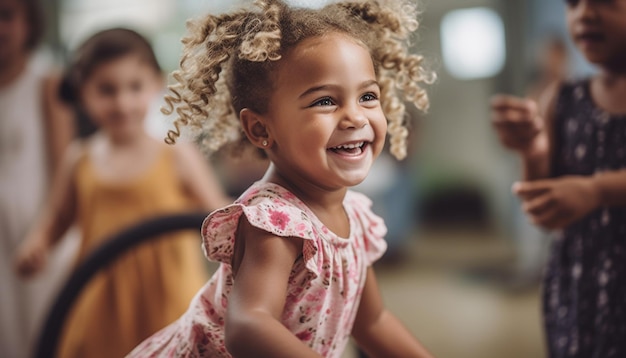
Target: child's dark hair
245 45
102 47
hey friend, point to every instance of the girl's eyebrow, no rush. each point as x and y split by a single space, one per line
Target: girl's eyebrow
325 87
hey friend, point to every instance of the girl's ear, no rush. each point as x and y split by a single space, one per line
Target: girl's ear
253 125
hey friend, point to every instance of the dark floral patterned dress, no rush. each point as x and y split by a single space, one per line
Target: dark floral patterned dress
585 283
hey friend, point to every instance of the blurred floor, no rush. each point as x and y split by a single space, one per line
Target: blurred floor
454 312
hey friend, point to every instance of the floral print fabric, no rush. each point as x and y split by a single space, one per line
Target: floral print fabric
585 284
325 283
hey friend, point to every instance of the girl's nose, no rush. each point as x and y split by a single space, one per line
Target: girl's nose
353 117
123 101
586 10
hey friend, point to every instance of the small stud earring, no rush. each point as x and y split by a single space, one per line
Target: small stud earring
264 143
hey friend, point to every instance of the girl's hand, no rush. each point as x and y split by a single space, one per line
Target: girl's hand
31 257
517 123
556 203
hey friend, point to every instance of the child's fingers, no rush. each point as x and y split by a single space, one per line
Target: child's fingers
515 119
523 130
29 263
24 263
531 189
550 219
22 266
504 101
538 205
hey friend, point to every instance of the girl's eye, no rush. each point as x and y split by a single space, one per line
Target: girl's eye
106 89
326 101
369 97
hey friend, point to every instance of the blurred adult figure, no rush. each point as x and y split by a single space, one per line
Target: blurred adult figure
35 128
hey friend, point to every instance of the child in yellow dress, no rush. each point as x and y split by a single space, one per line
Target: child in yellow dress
116 178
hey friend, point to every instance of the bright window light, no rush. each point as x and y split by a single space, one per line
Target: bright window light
472 42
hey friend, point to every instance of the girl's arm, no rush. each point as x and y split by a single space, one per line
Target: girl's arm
198 178
611 187
57 216
538 165
378 332
59 123
556 203
262 264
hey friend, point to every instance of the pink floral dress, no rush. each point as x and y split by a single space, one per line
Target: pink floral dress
325 284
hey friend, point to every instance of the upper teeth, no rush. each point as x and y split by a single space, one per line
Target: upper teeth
350 146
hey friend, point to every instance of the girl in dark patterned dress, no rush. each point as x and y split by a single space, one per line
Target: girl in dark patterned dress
573 150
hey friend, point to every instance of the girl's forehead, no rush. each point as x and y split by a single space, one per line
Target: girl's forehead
129 65
131 59
331 45
310 46
324 58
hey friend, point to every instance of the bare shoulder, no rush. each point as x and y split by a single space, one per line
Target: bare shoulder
268 248
187 153
189 159
72 155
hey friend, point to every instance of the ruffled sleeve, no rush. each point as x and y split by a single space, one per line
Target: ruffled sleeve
267 210
372 226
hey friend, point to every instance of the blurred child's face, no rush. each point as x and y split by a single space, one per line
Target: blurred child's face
325 118
118 94
13 30
598 28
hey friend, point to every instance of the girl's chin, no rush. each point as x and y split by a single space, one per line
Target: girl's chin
127 133
357 179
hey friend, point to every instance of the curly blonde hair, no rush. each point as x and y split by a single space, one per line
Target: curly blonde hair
228 60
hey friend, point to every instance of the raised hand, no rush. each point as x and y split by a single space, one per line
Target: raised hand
517 123
556 203
31 257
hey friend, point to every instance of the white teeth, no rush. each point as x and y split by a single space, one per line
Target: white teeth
350 146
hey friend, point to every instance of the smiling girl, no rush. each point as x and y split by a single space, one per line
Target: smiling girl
316 91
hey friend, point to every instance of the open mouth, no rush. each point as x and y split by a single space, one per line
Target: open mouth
351 148
590 37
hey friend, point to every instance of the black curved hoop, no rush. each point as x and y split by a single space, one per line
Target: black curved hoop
109 251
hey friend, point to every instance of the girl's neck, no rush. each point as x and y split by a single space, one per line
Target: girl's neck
136 140
326 204
608 91
614 69
611 78
12 69
311 195
122 163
